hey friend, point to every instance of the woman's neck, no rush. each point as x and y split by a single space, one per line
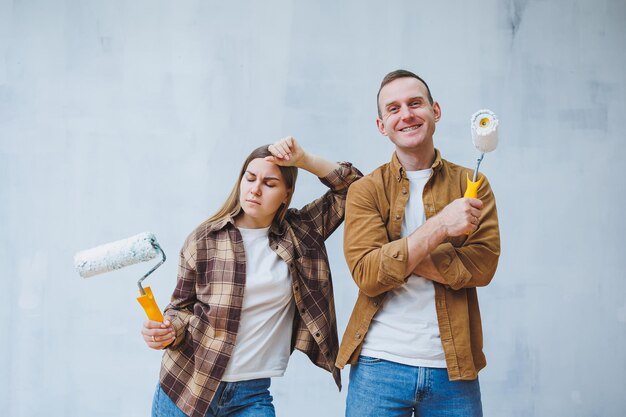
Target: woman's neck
248 222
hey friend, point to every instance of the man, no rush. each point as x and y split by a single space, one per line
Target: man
417 251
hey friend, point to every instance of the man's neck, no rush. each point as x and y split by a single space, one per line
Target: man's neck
416 160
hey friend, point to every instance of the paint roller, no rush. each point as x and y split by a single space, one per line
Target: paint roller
115 255
484 125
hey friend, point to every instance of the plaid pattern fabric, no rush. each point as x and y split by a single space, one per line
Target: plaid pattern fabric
205 308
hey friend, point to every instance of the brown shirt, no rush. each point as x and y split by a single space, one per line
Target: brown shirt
206 304
377 255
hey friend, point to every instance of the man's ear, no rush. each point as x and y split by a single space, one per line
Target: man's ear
381 126
437 111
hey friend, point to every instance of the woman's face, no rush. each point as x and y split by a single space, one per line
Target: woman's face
261 192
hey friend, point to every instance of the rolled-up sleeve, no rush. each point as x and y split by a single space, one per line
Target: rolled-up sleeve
474 263
327 212
377 265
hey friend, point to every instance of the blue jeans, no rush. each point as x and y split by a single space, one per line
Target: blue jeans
380 388
232 399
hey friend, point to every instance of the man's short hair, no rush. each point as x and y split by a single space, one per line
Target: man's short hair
394 75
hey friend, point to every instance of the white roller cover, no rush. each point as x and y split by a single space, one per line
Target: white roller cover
485 130
115 255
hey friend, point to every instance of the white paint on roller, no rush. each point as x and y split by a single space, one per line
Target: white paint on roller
115 255
484 130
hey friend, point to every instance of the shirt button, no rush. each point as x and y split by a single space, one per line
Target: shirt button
404 191
317 334
397 217
395 255
295 288
375 303
358 335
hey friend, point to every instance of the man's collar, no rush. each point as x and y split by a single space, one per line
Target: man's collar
399 171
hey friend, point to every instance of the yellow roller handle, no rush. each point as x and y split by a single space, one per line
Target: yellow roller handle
150 306
472 187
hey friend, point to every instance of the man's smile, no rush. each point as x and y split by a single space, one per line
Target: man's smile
411 128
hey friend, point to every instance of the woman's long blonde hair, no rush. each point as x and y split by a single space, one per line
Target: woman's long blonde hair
232 207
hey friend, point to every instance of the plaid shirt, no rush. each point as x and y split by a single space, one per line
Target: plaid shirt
205 309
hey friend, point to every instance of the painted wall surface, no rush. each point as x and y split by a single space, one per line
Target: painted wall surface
123 116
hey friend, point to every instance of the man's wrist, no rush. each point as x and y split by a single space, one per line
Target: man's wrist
439 229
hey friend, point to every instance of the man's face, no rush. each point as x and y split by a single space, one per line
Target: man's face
408 118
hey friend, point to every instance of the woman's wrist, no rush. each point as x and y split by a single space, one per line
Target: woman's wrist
304 162
316 165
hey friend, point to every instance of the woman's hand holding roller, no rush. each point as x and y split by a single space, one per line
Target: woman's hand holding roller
157 335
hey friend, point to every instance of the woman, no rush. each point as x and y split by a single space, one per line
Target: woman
253 284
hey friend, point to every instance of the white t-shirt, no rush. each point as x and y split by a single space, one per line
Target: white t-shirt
263 342
405 329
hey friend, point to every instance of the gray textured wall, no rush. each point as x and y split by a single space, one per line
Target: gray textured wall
123 116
